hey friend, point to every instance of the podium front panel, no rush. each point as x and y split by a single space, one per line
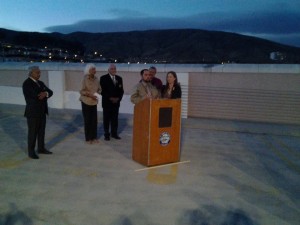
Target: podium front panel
156 131
164 142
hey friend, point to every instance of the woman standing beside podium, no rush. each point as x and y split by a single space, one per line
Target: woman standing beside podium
171 89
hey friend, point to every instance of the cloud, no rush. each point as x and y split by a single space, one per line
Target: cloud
125 12
281 24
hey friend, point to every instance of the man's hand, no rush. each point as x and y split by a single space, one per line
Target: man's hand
42 95
114 99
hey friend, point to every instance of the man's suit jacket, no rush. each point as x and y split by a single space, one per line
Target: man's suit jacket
140 92
109 89
34 106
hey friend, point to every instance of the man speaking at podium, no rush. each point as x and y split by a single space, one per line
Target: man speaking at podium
144 89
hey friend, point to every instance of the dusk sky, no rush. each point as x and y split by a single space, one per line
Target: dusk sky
275 20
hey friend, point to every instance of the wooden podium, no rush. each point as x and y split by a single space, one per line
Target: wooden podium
156 131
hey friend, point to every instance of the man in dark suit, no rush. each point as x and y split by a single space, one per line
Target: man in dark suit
36 94
112 93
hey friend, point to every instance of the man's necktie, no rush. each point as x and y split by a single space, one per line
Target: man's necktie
148 91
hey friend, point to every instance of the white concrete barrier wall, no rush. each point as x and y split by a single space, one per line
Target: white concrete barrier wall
12 95
56 81
210 91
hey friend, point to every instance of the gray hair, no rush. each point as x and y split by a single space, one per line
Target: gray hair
31 69
88 67
153 68
112 66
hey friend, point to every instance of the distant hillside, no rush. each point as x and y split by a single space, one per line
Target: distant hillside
163 46
38 40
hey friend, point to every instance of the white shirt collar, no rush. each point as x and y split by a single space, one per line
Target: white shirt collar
33 79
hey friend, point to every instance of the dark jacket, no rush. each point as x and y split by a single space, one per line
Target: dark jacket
109 89
34 106
176 91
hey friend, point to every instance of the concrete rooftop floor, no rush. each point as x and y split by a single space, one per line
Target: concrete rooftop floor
231 173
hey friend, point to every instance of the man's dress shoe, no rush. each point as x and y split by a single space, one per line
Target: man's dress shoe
107 138
33 156
44 151
116 137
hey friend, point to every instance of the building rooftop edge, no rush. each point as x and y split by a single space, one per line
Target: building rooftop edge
225 68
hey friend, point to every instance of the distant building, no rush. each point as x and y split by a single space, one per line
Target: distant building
277 56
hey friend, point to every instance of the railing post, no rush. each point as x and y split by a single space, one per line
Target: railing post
183 79
57 85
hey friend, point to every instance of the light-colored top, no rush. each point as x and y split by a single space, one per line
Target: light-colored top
144 90
90 86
